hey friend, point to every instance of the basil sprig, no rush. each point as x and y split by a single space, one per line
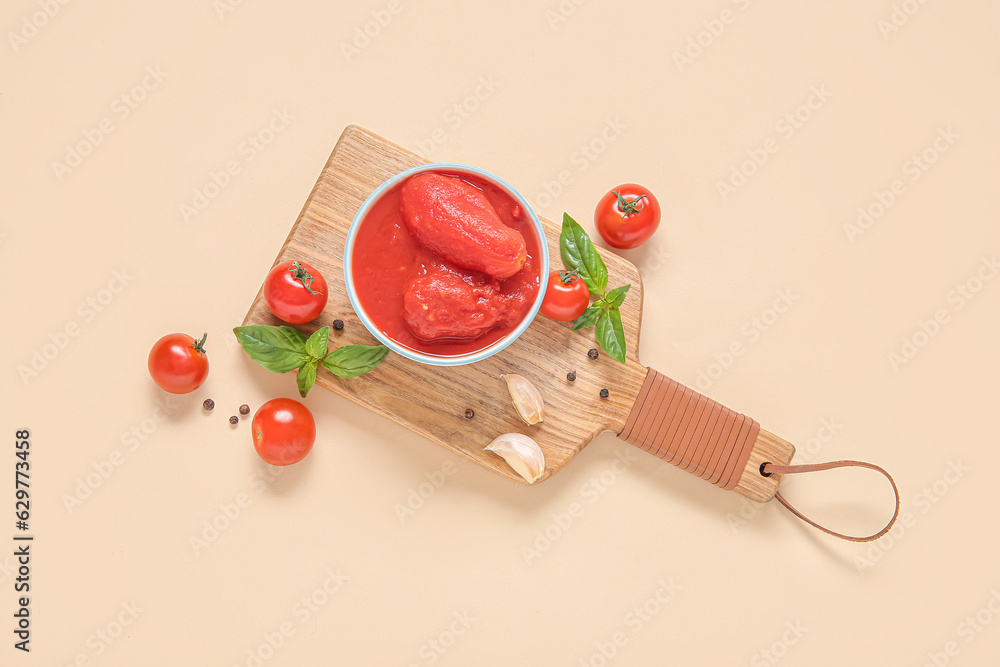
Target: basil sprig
282 348
579 254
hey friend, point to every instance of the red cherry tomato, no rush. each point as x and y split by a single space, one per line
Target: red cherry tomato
177 363
295 292
627 216
566 297
283 431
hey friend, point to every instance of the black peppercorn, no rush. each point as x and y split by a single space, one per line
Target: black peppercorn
338 325
571 376
470 413
592 353
604 393
208 404
244 409
234 420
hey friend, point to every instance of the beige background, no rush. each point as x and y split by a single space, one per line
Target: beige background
452 583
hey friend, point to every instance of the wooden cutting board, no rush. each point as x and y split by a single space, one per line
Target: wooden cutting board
433 400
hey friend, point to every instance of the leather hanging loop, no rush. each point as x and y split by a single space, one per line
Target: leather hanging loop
768 469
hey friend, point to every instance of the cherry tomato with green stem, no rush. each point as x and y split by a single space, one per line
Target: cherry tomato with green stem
178 363
295 292
627 216
566 296
283 431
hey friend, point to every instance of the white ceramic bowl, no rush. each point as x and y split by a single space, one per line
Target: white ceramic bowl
456 359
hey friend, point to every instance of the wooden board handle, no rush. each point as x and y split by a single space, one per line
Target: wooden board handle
704 437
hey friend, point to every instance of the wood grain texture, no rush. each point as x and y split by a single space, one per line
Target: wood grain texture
768 448
432 400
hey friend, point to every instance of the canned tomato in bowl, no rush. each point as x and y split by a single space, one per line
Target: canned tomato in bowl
446 264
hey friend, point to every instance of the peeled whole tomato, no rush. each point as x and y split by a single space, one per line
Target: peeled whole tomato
448 304
283 431
456 221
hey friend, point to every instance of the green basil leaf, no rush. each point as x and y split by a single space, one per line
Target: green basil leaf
611 335
616 297
579 254
589 317
316 345
277 349
306 377
351 361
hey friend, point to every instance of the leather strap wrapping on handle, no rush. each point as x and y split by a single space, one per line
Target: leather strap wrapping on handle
768 469
691 431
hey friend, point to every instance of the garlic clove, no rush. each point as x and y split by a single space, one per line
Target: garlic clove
522 454
527 401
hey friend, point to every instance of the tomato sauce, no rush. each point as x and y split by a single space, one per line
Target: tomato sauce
386 259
